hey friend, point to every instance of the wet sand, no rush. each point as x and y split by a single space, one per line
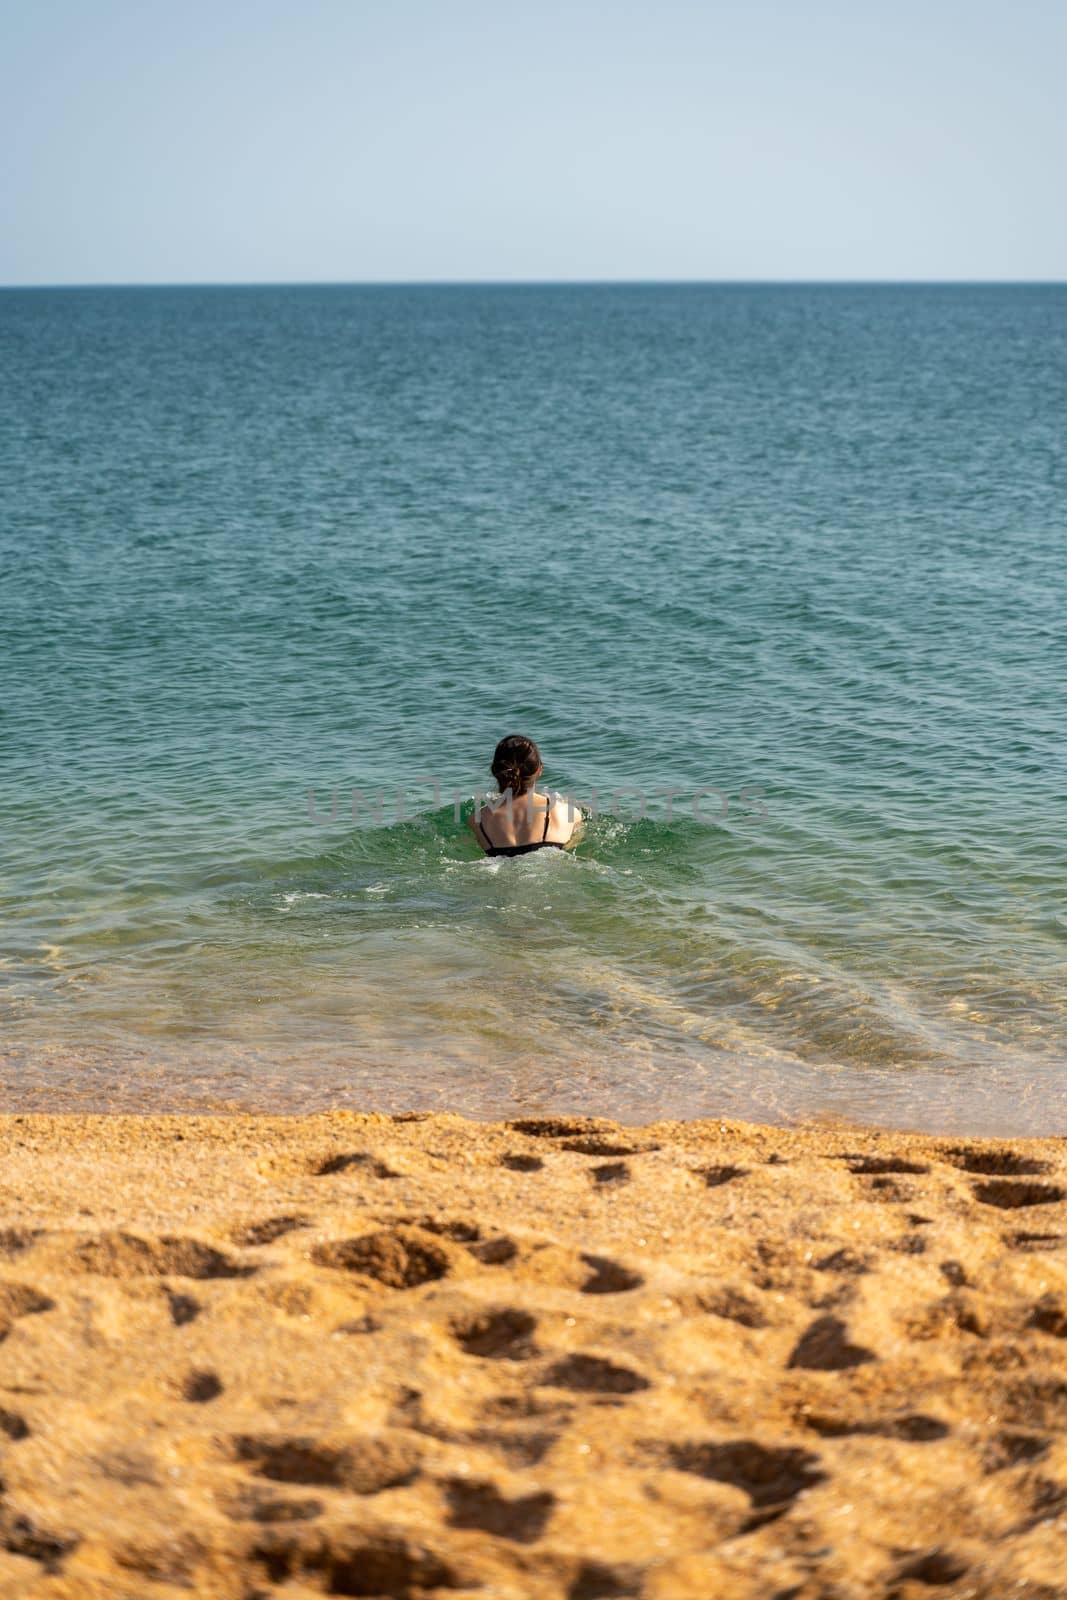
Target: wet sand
251 1356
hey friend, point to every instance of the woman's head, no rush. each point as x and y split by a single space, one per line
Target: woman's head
516 763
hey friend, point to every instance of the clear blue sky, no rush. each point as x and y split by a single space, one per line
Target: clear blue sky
251 140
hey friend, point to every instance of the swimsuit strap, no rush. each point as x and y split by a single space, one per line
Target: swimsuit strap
502 849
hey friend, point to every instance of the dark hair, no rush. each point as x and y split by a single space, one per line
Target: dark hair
516 760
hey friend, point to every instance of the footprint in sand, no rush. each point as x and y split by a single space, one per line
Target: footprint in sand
398 1258
353 1563
19 1300
555 1266
493 1250
359 1160
1011 1196
519 1448
852 1262
715 1177
128 1255
183 1308
733 1305
200 1386
913 1427
825 1347
1034 1241
611 1172
584 1136
363 1466
13 1241
595 1580
996 1163
1050 1316
250 1505
522 1163
556 1127
20 1535
880 1166
271 1228
771 1476
12 1425
593 1146
481 1505
587 1374
496 1335
934 1568
1013 1447
609 1277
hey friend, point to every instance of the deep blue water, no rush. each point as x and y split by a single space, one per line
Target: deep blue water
807 541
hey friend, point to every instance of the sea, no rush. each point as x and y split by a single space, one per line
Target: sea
776 577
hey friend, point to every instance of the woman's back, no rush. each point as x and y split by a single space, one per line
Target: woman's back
533 822
522 820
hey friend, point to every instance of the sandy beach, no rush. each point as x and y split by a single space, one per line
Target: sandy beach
421 1356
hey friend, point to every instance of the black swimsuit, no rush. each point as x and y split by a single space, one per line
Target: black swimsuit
544 843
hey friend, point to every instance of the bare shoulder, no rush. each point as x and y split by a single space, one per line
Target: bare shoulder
567 818
564 808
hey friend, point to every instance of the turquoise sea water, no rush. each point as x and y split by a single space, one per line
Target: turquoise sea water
808 541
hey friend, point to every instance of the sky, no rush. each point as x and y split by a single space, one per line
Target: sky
215 141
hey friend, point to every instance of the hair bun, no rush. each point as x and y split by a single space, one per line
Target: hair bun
516 762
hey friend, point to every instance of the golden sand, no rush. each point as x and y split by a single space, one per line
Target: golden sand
355 1355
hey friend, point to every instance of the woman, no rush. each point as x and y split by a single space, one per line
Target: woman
522 820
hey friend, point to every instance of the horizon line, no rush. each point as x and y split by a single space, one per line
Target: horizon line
533 283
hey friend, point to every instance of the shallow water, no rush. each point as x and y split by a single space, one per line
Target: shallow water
803 542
